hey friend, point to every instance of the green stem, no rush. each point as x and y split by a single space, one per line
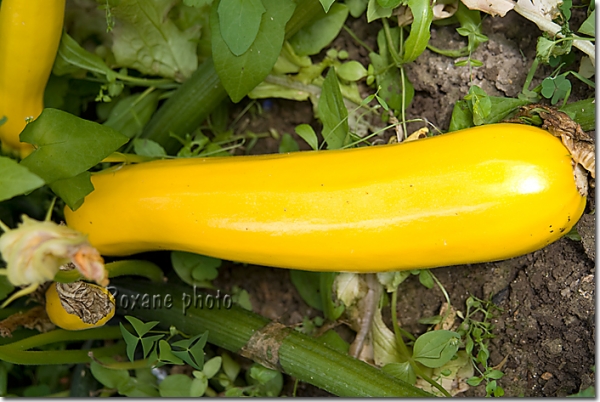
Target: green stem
453 53
127 158
28 357
196 98
357 39
61 335
244 332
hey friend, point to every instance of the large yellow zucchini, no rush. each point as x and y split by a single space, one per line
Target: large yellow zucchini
476 195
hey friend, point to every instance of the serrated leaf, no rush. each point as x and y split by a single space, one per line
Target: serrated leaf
402 371
324 28
333 113
67 145
436 348
175 386
307 133
16 179
240 74
147 41
146 147
239 21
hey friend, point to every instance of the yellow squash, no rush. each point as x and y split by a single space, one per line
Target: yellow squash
30 32
475 195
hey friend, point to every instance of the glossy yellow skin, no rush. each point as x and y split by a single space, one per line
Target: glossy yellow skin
476 195
59 316
30 32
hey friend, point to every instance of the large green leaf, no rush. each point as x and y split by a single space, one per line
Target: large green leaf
66 147
312 38
146 40
16 179
240 74
239 21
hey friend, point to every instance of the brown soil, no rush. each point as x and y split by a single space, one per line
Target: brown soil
546 329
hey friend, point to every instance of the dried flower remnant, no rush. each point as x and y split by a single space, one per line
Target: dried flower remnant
35 251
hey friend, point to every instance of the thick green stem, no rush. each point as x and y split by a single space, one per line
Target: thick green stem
196 98
61 335
268 343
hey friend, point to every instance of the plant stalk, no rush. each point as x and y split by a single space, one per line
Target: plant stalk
268 343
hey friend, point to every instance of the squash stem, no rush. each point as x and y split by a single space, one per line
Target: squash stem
266 342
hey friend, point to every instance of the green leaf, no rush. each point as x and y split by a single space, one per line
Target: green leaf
165 354
556 88
474 381
307 133
388 77
148 343
462 117
139 326
352 71
494 374
199 385
71 57
268 382
194 269
375 11
402 371
239 21
334 341
240 74
146 147
175 386
436 348
109 378
589 25
231 368
333 113
16 179
479 103
74 189
419 30
288 144
192 350
307 285
356 7
315 36
146 40
326 4
426 279
67 145
212 367
583 112
130 114
389 3
130 340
